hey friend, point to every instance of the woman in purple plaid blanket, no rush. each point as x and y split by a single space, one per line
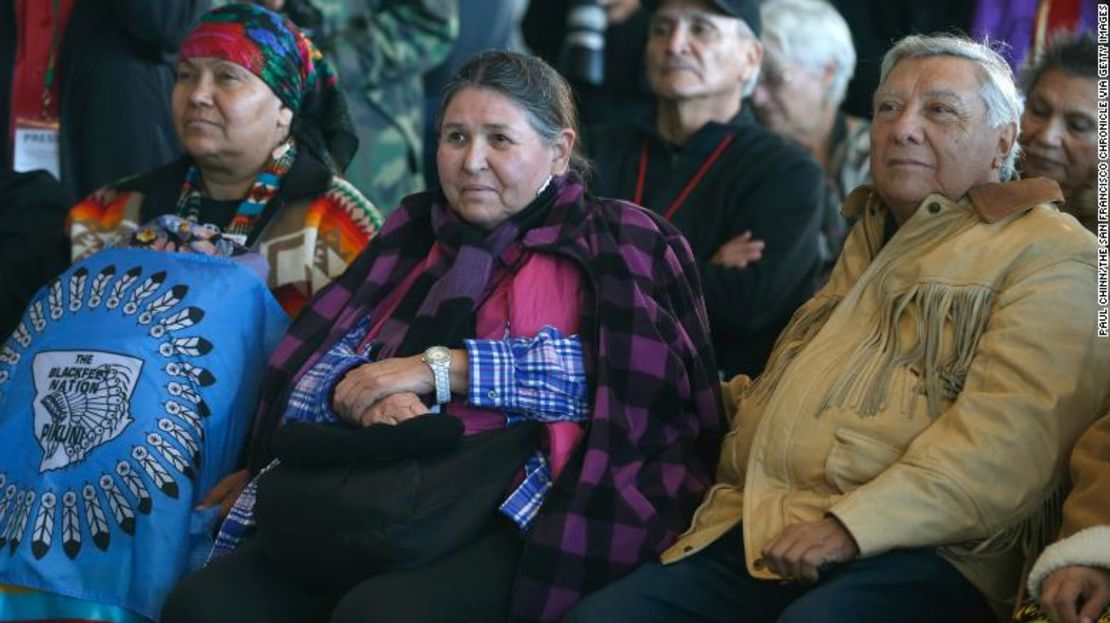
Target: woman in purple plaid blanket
512 296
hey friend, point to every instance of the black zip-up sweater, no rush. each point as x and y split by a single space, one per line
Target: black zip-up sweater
761 183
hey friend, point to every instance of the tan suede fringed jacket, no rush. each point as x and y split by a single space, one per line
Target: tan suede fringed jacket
930 393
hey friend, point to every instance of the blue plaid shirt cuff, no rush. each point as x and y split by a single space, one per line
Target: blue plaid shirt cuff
240 524
310 399
541 378
524 503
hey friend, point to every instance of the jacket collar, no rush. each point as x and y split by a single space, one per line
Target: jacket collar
702 142
994 202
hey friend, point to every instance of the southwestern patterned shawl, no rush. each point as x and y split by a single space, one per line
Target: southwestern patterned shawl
656 419
317 224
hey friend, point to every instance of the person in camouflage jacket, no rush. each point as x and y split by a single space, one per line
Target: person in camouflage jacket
382 48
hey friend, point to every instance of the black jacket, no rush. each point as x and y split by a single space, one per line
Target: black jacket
33 245
116 74
760 183
877 24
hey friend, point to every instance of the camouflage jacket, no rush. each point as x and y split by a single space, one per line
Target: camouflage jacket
381 49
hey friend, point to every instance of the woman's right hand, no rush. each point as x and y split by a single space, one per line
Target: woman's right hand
365 386
393 409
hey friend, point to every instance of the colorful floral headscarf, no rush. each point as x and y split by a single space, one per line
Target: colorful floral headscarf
271 47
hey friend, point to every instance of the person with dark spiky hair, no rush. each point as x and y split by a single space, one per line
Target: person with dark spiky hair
1060 123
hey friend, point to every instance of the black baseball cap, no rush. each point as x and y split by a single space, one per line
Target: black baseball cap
746 10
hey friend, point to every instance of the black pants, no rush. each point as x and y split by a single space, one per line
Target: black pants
470 584
713 586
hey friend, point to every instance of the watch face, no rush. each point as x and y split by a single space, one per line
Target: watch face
437 354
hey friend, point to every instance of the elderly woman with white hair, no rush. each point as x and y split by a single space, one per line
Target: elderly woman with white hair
911 431
808 59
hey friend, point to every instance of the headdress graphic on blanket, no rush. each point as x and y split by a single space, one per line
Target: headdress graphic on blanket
125 394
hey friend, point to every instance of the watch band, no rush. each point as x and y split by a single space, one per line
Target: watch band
443 383
438 358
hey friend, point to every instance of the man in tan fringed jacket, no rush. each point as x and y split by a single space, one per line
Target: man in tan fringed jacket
909 437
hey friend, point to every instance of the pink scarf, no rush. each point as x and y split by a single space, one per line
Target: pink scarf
537 290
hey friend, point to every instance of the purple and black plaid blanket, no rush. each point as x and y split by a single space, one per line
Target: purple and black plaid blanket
654 433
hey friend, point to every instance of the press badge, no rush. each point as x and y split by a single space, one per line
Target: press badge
36 146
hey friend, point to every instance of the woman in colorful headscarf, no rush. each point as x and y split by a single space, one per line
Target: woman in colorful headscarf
126 389
266 136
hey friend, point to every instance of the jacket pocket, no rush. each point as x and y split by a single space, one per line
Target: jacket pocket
857 459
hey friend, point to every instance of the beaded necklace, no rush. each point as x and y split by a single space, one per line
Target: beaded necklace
262 190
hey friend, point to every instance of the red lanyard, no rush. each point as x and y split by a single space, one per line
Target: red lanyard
690 186
52 63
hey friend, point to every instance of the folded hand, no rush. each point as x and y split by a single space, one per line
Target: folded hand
1076 594
362 387
801 550
740 251
393 409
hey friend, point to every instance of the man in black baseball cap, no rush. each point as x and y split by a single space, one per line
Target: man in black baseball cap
746 10
702 57
702 162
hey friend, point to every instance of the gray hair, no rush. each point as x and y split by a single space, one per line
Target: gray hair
998 89
746 32
811 32
533 85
